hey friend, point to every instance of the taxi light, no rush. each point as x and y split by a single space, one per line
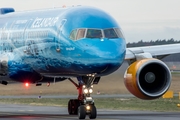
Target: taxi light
90 90
85 91
88 107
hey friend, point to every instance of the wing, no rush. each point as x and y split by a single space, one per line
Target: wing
158 51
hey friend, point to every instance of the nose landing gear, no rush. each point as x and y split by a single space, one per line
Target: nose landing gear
84 105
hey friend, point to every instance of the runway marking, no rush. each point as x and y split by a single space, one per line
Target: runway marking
21 110
30 110
25 110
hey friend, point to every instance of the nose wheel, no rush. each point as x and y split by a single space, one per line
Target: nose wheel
83 111
93 112
73 105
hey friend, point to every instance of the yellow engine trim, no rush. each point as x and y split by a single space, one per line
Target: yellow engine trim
130 78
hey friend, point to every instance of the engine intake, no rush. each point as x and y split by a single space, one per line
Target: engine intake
148 78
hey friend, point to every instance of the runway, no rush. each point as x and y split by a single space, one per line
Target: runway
68 96
29 112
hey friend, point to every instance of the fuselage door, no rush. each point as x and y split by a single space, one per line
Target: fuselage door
59 34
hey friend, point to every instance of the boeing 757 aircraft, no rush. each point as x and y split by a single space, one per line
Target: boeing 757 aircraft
78 42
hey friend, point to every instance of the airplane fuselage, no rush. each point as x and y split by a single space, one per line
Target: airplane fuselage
55 42
84 42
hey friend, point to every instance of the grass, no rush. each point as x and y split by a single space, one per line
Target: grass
36 101
137 104
107 103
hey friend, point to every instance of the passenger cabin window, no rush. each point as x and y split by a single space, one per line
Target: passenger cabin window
94 33
110 33
80 34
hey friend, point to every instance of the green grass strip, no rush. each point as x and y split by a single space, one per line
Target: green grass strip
107 103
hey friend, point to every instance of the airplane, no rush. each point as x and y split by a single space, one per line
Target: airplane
83 42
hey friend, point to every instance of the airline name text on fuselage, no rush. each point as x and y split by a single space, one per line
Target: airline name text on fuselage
44 22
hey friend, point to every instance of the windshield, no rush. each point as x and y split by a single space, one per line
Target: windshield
110 33
94 33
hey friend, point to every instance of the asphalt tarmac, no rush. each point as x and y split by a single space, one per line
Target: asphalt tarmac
68 96
28 112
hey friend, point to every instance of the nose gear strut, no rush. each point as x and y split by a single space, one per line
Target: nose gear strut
84 104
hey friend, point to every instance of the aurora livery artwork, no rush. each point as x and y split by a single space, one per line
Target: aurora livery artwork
80 42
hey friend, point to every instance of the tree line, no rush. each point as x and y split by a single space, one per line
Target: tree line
152 43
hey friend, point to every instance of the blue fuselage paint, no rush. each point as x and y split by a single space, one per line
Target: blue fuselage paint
38 41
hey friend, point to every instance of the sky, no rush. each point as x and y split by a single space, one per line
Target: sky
139 19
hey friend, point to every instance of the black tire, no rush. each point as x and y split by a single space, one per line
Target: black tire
70 107
76 105
93 113
73 107
81 112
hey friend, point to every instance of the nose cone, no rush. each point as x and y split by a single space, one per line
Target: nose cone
110 49
103 55
106 50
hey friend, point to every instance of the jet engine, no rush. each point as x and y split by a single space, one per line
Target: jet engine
147 78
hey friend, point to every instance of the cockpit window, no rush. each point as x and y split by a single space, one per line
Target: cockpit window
80 34
73 34
119 32
110 33
94 33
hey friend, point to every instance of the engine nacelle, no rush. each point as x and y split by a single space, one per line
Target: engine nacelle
147 78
